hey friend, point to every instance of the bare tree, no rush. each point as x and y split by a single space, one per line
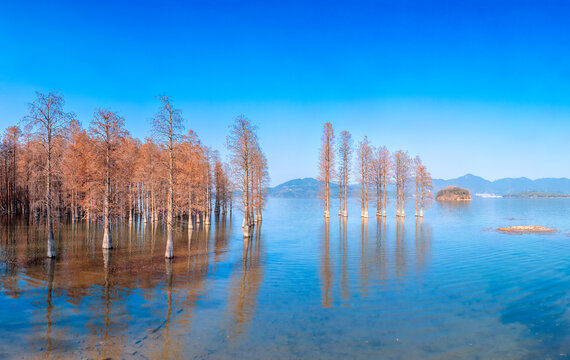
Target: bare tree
402 164
386 173
364 154
48 121
260 176
380 173
167 128
417 166
345 153
326 164
107 129
241 143
9 155
219 182
424 186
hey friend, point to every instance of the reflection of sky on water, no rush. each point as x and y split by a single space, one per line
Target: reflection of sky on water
446 286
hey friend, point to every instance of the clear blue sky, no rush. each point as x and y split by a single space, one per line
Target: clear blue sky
477 87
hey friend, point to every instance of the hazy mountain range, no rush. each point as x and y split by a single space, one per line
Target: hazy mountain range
309 187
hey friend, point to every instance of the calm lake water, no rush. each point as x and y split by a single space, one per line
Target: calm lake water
449 287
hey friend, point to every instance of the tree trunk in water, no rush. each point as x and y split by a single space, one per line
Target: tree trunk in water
107 241
169 254
153 215
190 225
365 201
327 211
73 209
207 213
50 240
130 204
397 199
384 196
378 200
344 193
246 225
340 198
144 203
417 197
246 214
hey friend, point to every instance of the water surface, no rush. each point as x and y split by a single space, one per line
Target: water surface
446 287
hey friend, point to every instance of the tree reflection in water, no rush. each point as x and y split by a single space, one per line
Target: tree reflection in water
244 291
388 253
50 262
326 271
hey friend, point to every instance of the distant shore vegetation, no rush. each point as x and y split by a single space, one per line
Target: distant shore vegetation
537 195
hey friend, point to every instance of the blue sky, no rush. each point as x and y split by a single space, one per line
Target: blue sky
477 87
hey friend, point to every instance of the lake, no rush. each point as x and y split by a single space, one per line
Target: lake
446 287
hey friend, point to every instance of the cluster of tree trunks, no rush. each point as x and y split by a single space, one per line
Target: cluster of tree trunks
52 168
376 169
250 171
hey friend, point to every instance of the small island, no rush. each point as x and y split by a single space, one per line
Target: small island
526 229
453 193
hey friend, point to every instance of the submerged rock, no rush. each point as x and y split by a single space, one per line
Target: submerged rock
526 229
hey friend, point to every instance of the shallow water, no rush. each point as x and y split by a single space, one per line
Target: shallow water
448 287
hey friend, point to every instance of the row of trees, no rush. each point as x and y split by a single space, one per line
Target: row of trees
52 168
376 169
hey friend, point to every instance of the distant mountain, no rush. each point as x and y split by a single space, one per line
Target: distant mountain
537 195
306 188
476 184
297 188
309 187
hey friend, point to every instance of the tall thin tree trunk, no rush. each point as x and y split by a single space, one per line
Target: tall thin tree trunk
246 220
344 190
169 241
145 205
260 195
385 196
51 241
327 197
397 197
340 196
402 202
417 196
107 241
378 198
364 195
130 204
190 225
207 219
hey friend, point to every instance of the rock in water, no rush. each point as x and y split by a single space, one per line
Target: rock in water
526 229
